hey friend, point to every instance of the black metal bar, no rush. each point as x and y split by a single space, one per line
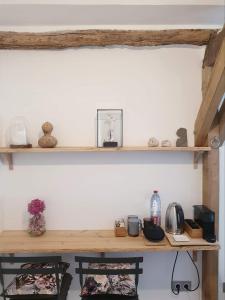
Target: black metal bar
40 259
31 271
57 280
108 271
32 297
136 275
81 274
108 259
2 283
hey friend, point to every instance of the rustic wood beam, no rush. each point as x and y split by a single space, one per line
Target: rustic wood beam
213 48
211 200
206 75
211 101
221 116
73 39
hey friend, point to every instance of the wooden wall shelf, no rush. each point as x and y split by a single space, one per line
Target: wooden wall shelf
95 149
73 241
7 153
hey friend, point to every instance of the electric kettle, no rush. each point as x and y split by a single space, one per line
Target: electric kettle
174 222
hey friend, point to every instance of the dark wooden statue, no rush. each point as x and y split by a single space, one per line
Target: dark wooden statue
182 137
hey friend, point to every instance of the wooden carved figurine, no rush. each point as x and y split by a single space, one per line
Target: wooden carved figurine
182 137
47 140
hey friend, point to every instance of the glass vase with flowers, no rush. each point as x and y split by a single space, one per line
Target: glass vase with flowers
36 225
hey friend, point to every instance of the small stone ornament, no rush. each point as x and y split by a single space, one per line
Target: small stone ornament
47 141
182 137
215 142
166 143
153 142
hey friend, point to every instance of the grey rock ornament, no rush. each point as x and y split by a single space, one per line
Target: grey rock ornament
215 142
166 143
182 137
47 141
153 142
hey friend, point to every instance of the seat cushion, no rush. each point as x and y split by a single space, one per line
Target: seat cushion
35 284
121 284
65 285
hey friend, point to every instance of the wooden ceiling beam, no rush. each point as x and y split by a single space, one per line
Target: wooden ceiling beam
101 38
212 99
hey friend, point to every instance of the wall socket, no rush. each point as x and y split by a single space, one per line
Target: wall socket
181 284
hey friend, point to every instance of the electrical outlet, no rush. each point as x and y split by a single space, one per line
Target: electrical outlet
181 284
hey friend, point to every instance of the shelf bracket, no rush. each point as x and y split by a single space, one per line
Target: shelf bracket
195 255
8 157
197 156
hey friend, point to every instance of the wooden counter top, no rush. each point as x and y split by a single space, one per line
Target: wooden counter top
71 241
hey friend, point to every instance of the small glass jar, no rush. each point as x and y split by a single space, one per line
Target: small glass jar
18 133
36 225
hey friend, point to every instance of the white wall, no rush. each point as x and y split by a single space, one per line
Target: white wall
159 90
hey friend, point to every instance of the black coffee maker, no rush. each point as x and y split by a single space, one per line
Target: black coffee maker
205 217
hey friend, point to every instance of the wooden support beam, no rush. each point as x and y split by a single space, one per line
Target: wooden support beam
73 39
211 200
197 156
9 158
213 48
209 275
206 74
221 117
213 96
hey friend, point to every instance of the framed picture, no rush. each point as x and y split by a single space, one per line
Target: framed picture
109 128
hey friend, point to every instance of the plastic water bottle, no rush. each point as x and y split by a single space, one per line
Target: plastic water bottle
155 208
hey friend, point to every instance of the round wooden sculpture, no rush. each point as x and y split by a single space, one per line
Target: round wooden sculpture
47 140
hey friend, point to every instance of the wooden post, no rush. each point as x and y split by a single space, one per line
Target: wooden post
211 161
211 200
212 95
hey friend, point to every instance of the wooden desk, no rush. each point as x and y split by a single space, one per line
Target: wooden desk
73 241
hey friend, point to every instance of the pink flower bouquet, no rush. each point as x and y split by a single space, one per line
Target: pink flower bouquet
37 221
36 207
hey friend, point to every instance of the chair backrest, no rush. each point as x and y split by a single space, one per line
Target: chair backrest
9 270
109 260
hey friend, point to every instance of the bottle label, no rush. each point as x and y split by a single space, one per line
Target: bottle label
156 220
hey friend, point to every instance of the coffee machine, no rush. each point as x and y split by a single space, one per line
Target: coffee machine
205 217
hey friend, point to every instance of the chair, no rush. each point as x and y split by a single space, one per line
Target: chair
82 271
55 267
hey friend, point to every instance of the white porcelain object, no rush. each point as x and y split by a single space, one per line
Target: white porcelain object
166 143
153 142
